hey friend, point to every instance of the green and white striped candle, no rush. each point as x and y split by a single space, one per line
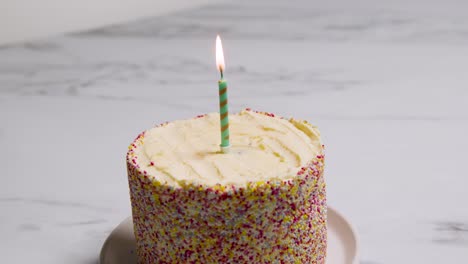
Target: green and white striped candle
223 98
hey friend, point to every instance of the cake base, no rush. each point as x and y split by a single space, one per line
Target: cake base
342 247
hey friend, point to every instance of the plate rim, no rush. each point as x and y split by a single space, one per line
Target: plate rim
352 231
337 214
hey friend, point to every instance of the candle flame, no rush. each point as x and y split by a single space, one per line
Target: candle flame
219 55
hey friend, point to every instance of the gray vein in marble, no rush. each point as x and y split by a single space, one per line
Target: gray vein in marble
54 203
84 222
34 80
28 227
38 46
451 233
251 20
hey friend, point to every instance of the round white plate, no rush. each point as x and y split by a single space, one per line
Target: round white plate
342 247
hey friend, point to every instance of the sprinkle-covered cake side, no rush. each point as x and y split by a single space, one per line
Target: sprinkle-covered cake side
273 221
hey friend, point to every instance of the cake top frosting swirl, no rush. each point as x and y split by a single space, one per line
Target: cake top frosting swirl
263 147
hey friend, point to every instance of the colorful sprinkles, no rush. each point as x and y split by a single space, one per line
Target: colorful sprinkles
264 222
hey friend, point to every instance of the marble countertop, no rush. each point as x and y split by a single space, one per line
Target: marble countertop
386 81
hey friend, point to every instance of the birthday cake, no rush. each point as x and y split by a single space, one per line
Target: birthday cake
262 202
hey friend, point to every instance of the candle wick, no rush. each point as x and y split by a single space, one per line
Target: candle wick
221 71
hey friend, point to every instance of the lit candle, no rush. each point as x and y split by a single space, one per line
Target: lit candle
223 98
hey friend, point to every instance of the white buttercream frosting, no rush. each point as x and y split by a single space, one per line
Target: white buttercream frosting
262 148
